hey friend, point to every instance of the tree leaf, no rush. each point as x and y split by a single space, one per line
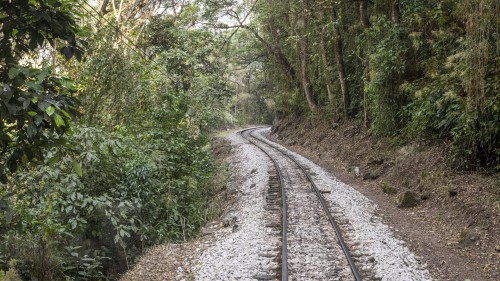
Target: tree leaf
78 168
12 164
13 72
59 121
67 51
54 159
38 120
50 110
3 177
26 104
32 130
65 113
33 42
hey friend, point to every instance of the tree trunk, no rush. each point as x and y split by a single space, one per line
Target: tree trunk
277 54
365 110
326 64
103 6
306 85
339 57
365 23
44 268
395 12
342 75
363 13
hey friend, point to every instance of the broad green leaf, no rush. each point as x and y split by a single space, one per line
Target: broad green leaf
32 113
55 159
78 168
40 77
13 72
50 110
65 113
59 121
67 83
32 130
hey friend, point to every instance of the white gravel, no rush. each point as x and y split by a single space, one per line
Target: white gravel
235 253
379 251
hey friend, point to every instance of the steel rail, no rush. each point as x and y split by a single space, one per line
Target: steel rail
323 202
284 226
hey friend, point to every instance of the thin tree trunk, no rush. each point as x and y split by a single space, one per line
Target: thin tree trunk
395 12
43 260
306 85
277 54
302 52
326 64
342 75
365 106
365 23
363 13
339 57
103 6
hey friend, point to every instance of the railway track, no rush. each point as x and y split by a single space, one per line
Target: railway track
308 235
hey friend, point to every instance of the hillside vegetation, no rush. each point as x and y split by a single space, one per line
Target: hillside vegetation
104 119
407 69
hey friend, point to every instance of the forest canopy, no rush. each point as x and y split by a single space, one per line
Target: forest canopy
105 111
405 69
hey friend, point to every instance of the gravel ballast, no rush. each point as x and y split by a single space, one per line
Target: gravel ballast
241 247
240 252
374 244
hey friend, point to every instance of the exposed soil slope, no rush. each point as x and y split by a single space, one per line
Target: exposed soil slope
455 224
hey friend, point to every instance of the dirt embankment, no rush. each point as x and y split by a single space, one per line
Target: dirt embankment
449 218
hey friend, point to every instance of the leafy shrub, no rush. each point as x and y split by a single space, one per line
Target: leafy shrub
387 66
476 138
132 193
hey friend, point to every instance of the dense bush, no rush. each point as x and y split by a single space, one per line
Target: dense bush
409 69
387 62
133 192
135 170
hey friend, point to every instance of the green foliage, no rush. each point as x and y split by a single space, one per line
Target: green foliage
133 193
446 101
11 274
111 85
195 75
475 138
437 101
251 109
36 105
417 69
387 66
136 169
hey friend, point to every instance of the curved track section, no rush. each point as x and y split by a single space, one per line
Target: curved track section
284 224
307 240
